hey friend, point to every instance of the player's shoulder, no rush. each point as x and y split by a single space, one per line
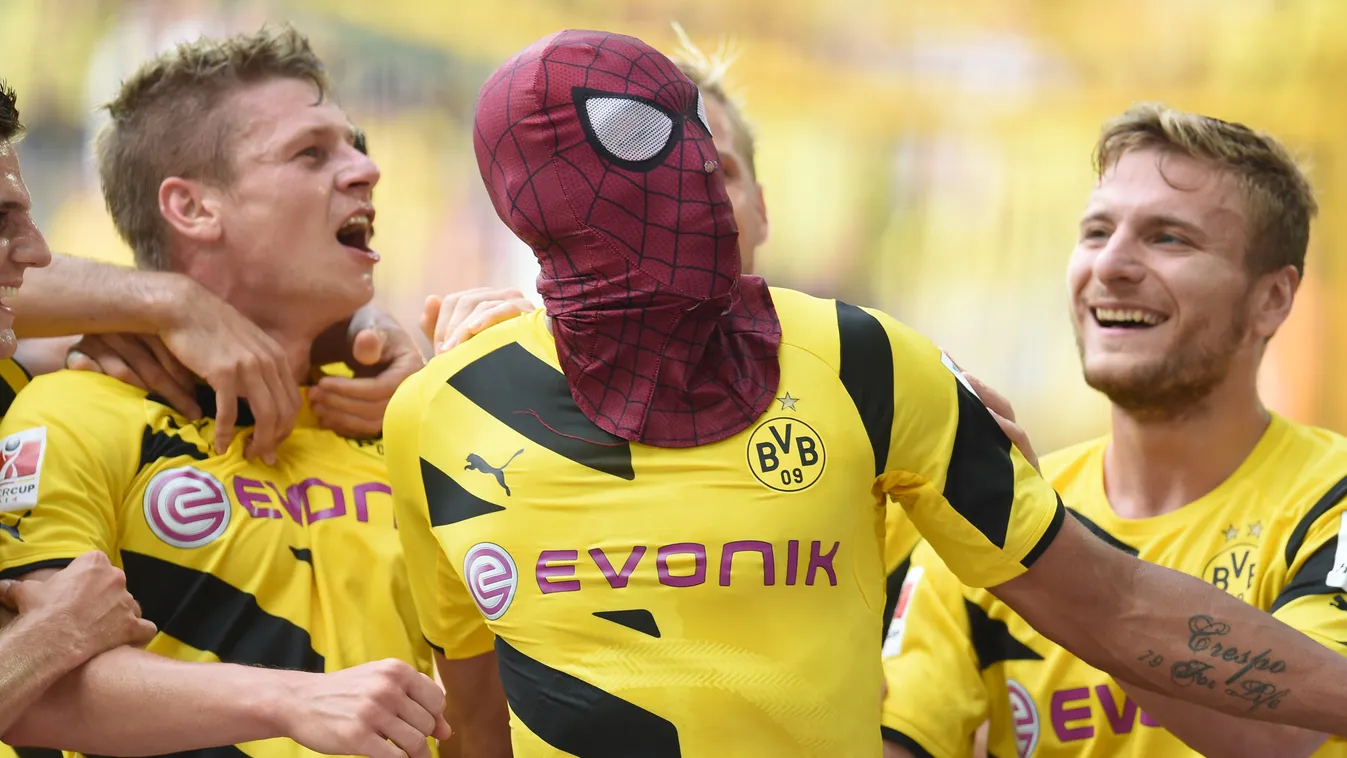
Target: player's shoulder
84 395
1310 464
1064 466
828 327
496 354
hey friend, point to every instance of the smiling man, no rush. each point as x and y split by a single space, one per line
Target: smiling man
1190 252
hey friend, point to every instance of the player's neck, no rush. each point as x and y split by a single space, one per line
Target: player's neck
1154 466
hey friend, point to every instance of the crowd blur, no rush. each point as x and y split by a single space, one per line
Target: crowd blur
926 158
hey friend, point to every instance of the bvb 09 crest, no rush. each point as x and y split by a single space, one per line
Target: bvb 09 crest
786 454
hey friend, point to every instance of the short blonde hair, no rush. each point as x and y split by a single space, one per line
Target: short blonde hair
168 121
1278 197
708 73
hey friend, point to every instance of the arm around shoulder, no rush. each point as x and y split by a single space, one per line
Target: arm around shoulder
1176 635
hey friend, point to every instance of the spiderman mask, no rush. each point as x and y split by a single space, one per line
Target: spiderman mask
595 151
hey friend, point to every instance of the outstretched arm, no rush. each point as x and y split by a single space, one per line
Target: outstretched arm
82 611
1176 635
78 296
116 705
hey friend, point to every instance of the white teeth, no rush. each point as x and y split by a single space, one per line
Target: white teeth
356 221
1113 316
8 292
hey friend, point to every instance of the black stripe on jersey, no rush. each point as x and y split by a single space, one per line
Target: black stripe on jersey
449 503
228 751
1312 578
205 399
1302 530
893 589
992 640
866 370
37 752
1108 539
7 395
157 444
902 740
532 398
639 620
980 484
204 611
1049 534
578 718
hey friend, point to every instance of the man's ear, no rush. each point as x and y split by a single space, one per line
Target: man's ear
1273 298
191 209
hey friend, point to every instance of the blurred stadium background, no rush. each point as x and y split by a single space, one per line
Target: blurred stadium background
928 158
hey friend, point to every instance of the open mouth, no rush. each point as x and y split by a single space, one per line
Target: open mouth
357 232
1126 318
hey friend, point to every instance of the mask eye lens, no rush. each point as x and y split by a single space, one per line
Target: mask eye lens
629 129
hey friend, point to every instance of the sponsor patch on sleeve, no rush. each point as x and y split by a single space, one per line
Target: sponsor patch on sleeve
21 457
893 644
1338 576
958 373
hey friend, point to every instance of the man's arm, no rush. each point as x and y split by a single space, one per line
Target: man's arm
83 611
130 702
475 700
193 327
1176 635
1212 733
78 296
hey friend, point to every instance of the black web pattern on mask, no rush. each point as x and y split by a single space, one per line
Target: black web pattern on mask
690 364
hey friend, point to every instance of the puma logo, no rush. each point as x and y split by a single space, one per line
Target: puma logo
13 531
476 463
1340 602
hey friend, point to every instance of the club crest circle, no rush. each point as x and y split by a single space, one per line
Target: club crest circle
786 454
492 578
186 507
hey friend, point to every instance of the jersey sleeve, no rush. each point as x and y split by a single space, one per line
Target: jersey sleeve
1314 599
449 618
68 455
936 698
966 488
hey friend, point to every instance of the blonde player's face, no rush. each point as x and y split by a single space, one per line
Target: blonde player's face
750 210
298 185
1160 296
21 244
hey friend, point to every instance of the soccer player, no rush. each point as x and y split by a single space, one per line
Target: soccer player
1190 252
693 469
292 569
449 320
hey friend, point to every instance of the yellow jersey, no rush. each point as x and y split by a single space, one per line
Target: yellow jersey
708 601
296 566
1269 535
14 377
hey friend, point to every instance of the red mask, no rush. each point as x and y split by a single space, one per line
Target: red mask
595 150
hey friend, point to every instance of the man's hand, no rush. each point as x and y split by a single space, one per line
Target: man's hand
1005 417
456 317
89 598
357 710
238 360
135 360
382 355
